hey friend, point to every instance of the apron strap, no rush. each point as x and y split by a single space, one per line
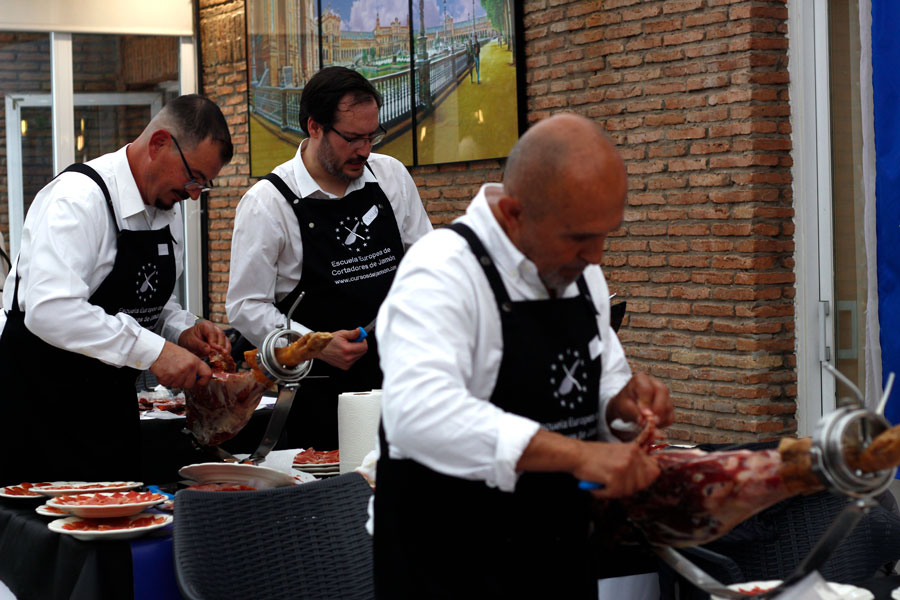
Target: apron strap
93 174
282 187
583 288
486 262
90 172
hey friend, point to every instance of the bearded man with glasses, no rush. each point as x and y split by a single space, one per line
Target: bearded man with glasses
333 222
89 300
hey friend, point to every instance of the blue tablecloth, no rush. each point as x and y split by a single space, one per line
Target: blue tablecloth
36 563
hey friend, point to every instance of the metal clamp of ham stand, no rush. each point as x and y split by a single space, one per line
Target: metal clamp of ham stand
287 378
845 432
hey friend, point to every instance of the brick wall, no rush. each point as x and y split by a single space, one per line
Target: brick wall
694 92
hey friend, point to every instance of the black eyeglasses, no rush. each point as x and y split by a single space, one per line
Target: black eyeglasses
361 140
193 186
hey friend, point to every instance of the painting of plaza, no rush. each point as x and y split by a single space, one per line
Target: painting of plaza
447 73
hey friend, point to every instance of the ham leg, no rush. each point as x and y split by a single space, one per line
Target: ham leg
217 411
700 496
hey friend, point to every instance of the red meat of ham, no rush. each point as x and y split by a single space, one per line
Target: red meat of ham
216 412
700 496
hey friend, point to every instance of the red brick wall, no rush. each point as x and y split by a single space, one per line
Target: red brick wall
694 92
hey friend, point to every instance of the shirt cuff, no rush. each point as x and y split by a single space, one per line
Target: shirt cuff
515 433
147 348
612 385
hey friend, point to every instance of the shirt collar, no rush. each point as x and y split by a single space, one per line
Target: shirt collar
127 194
506 256
307 186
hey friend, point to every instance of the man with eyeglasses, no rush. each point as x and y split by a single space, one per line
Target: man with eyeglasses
89 301
332 222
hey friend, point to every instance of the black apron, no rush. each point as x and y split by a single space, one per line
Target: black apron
438 536
64 415
351 249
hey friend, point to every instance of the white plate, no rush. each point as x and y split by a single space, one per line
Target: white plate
323 465
846 592
895 594
48 511
309 469
90 487
4 493
97 511
252 475
117 534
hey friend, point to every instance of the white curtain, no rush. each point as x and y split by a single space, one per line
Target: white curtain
873 344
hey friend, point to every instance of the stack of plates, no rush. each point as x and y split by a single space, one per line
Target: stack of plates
321 470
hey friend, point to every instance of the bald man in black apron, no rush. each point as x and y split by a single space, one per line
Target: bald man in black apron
502 375
89 301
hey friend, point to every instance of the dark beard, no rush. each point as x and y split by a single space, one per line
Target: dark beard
158 204
328 160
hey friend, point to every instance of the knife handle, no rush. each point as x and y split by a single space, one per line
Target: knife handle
591 485
362 335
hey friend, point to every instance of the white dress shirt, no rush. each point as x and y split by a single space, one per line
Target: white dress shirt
69 247
267 247
441 344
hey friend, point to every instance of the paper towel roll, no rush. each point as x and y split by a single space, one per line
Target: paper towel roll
358 414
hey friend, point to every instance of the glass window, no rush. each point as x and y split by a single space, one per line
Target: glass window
847 193
24 72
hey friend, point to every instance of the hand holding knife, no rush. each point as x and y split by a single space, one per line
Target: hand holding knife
365 331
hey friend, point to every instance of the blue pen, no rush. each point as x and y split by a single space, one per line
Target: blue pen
591 485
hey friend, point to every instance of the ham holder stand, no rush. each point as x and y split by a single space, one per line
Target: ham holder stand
286 378
850 427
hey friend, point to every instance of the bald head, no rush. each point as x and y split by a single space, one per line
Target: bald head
564 192
559 156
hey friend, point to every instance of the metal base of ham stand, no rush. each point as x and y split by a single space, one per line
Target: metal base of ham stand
831 539
849 427
288 381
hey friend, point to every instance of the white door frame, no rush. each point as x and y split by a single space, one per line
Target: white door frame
808 66
193 233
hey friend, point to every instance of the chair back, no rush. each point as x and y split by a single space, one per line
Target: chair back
301 542
783 535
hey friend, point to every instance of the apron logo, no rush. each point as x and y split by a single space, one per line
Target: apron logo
568 378
351 230
147 281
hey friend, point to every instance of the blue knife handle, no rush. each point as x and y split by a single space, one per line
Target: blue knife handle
156 489
591 485
362 335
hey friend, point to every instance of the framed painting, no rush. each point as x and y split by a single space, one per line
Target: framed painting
449 71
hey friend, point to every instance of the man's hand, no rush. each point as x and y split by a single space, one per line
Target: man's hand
623 469
642 391
342 351
178 368
203 338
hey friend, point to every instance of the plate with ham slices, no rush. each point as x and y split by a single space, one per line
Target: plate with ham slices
249 475
48 511
26 489
118 528
89 487
107 504
828 590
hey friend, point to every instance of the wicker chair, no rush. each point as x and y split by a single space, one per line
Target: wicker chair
301 542
772 544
